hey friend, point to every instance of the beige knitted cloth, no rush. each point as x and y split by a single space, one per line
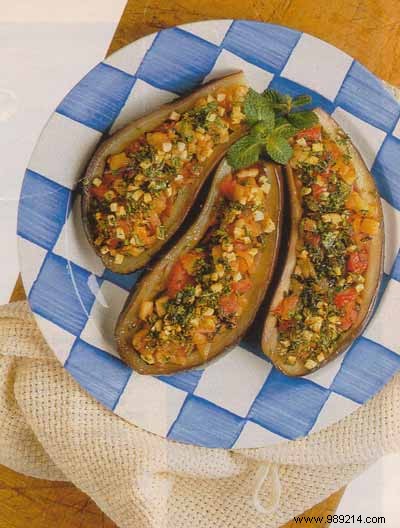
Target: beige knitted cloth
50 428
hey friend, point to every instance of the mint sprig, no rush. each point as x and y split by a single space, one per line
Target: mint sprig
244 152
273 120
257 108
278 148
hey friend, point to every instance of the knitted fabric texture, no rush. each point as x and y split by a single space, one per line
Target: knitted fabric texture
51 428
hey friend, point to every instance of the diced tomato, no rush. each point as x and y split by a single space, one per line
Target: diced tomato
136 145
98 192
124 224
345 297
317 190
312 134
167 125
113 243
313 239
178 279
227 187
239 246
242 286
188 170
229 303
286 306
349 315
189 260
108 178
154 222
358 261
168 209
286 324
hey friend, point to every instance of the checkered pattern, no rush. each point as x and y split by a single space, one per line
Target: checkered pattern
240 400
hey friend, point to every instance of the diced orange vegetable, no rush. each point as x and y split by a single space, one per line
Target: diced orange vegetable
286 306
242 265
369 226
240 192
139 339
249 259
159 203
144 235
199 339
346 171
156 139
117 161
356 223
216 252
252 226
332 148
355 202
207 325
119 185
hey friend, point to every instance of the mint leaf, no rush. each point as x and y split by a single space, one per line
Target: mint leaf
302 120
244 152
262 129
284 129
256 108
281 103
301 100
278 149
274 97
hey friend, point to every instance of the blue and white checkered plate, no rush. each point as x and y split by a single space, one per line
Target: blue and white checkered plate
241 400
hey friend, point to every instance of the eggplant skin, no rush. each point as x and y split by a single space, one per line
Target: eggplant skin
374 273
118 141
155 280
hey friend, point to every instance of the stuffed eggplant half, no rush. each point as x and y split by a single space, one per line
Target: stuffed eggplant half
142 181
334 264
203 295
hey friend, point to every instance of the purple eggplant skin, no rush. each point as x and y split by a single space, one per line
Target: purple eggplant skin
154 282
374 273
186 198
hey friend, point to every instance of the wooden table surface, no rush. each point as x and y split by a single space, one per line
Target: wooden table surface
369 30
